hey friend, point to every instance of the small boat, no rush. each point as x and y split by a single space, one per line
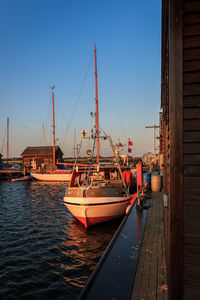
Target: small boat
97 195
22 178
98 191
55 174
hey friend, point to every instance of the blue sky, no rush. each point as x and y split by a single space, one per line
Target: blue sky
47 42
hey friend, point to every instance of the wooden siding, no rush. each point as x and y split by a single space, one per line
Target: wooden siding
43 157
191 148
46 161
175 150
180 102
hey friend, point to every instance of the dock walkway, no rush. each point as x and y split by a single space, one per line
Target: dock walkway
151 278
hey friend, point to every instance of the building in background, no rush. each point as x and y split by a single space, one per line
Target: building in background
40 158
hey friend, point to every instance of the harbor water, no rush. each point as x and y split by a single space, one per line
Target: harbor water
44 252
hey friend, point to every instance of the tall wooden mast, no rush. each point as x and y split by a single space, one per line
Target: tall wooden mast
96 101
54 140
7 139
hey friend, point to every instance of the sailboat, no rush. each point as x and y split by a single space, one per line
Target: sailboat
98 191
55 174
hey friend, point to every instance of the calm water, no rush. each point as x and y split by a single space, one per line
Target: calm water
44 252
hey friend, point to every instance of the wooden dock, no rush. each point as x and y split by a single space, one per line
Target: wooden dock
133 265
8 174
151 278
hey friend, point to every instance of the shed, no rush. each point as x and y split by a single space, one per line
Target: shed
180 144
40 157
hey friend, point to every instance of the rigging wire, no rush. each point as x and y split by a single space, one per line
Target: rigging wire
3 141
76 102
115 105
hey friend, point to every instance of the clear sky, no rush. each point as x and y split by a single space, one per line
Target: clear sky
47 42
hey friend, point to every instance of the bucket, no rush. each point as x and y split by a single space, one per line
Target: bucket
155 183
147 179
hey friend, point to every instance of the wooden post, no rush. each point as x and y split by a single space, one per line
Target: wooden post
176 149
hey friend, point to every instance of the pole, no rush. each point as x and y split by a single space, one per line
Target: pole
54 140
42 134
7 139
96 101
154 127
74 143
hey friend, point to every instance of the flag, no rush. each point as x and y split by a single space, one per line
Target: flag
129 150
130 143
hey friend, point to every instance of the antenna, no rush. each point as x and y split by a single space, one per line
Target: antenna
154 127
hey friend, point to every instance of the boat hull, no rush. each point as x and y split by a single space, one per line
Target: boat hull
94 210
51 177
21 178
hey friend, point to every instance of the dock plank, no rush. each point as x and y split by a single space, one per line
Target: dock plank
151 278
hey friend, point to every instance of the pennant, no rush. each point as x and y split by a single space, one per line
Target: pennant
130 143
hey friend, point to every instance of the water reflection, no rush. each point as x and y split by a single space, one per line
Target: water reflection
44 251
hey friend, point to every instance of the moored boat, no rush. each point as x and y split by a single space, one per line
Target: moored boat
98 191
56 175
97 196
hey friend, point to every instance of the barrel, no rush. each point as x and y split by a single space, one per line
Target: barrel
147 179
155 183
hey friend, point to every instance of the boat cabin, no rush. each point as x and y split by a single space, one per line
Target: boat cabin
106 177
40 158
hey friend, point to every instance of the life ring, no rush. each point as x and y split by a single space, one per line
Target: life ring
89 153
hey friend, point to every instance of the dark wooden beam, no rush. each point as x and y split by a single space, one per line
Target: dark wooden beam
176 149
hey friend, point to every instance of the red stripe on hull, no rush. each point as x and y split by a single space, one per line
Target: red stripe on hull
95 220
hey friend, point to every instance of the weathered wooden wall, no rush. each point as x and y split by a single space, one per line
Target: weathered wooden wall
47 161
191 148
181 144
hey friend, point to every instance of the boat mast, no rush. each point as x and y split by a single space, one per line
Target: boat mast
54 140
7 139
96 101
75 148
42 134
